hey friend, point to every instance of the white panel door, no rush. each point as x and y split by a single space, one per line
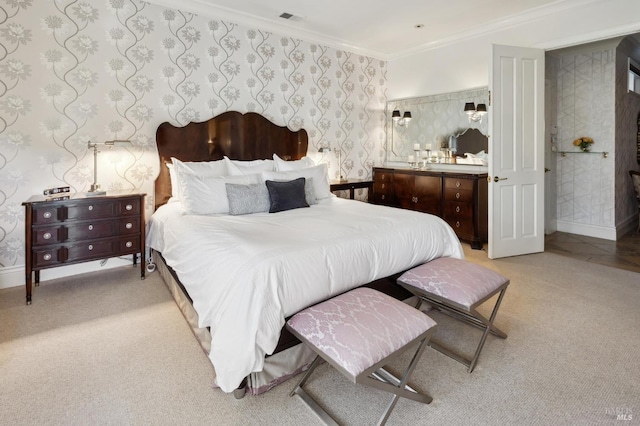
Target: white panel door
516 151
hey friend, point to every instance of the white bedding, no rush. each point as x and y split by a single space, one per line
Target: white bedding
245 274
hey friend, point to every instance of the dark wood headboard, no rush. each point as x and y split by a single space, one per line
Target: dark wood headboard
473 141
238 136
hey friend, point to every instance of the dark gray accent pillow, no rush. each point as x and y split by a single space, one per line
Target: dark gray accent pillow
286 195
247 199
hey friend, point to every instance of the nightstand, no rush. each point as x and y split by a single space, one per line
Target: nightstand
351 185
75 229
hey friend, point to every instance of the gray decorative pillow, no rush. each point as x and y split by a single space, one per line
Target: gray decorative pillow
247 199
309 192
286 195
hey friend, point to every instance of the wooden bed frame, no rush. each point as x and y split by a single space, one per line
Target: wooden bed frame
238 136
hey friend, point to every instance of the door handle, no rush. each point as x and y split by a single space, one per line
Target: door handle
496 178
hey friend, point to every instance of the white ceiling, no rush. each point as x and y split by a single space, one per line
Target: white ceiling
380 28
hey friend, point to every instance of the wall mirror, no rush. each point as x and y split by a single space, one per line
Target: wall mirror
434 119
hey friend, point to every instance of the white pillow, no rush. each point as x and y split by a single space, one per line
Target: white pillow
208 194
284 165
319 175
238 167
173 176
200 168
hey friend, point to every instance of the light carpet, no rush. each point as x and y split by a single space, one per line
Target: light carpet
108 348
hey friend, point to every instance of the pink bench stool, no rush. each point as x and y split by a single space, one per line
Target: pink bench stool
358 333
458 287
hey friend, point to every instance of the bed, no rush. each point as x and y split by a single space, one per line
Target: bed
236 277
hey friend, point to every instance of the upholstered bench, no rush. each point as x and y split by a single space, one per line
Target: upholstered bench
358 333
458 287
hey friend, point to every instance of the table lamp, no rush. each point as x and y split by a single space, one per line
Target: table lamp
95 187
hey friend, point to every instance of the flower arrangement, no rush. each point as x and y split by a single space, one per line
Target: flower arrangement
584 143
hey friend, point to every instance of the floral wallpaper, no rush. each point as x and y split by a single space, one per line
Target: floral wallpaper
78 71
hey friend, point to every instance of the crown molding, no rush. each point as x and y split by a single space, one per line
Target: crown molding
285 28
293 29
502 24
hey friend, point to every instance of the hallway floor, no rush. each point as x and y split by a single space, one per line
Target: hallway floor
621 254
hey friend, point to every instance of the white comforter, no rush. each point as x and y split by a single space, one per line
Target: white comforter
245 274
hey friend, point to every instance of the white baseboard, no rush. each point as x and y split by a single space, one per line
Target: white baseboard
607 233
627 226
14 276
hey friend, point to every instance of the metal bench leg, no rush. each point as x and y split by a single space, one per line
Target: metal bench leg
489 327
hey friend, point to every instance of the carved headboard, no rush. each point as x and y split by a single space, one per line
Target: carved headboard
238 136
473 141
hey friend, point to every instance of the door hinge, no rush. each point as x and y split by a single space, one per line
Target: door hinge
489 97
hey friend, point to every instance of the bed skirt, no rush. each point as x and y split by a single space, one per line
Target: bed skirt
277 368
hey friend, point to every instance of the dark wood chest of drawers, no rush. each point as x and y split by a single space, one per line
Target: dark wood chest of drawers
80 229
459 198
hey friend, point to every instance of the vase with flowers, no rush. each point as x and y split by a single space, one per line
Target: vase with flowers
584 143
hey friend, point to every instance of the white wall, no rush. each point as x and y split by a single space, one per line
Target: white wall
464 63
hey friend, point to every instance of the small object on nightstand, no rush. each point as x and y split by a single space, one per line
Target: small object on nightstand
56 190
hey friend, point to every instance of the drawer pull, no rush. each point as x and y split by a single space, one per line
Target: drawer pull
47 256
383 186
46 235
90 227
458 184
129 225
46 215
128 244
90 247
382 196
457 209
128 207
457 195
90 208
457 224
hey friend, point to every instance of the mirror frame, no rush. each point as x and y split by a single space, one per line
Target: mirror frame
434 119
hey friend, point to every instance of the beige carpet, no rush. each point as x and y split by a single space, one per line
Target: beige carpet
107 348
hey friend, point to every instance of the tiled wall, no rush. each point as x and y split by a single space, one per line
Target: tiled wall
594 196
585 98
74 71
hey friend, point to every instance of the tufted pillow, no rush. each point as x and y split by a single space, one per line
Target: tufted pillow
247 199
287 195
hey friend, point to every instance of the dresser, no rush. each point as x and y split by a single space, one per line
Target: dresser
79 229
458 198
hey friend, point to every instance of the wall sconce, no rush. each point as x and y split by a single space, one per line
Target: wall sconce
401 121
95 187
475 113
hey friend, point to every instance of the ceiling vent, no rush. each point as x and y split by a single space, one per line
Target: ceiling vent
290 17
